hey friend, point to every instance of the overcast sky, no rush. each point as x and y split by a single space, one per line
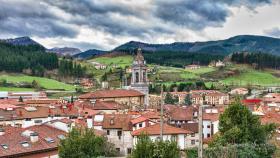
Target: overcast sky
105 24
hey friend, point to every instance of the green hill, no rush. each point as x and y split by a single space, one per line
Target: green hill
48 84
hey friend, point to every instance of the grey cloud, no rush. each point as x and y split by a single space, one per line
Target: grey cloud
274 32
200 14
192 14
26 18
37 17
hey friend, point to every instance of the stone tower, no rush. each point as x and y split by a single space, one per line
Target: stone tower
139 79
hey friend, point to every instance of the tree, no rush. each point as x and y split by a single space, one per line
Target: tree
20 99
146 148
84 143
36 85
188 100
168 99
237 125
104 77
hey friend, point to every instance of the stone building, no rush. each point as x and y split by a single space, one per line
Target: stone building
139 79
128 98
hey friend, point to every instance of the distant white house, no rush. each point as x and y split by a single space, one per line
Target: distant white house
169 133
219 64
192 67
239 91
99 66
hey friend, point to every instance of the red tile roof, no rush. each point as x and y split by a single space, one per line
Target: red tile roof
138 120
179 113
99 105
117 121
40 112
115 93
7 106
155 130
271 117
251 101
13 138
41 101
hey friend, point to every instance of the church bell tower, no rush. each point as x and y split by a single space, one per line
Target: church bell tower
139 79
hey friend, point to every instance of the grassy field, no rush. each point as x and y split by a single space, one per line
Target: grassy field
183 74
202 70
121 61
253 77
16 89
44 82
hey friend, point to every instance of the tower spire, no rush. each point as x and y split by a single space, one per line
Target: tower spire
139 55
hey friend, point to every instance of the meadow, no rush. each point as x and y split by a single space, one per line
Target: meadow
45 83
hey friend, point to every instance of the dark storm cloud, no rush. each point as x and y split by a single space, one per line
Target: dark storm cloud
100 15
125 18
26 18
196 14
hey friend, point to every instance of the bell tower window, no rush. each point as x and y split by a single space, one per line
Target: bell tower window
136 77
144 76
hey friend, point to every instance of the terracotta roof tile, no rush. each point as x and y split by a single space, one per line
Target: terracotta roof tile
117 121
155 130
111 94
138 120
13 137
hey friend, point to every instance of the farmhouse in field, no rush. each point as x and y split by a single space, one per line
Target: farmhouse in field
192 67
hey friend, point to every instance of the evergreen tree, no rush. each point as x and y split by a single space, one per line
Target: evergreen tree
20 99
169 99
188 100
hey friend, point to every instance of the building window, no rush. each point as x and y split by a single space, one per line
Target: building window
28 119
108 132
144 76
208 135
193 142
129 150
120 134
118 150
208 126
137 77
193 135
174 138
140 125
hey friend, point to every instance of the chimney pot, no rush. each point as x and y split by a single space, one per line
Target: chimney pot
2 131
34 137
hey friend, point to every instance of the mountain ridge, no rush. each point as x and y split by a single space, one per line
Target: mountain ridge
251 43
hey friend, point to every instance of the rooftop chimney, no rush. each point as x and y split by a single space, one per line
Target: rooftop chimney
89 122
34 137
2 131
111 121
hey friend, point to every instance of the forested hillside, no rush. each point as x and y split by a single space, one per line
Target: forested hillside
34 60
180 59
15 58
258 60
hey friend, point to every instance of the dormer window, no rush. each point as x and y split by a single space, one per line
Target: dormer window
49 140
61 137
4 146
25 144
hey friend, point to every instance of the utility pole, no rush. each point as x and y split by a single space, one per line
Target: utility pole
200 132
161 113
200 127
